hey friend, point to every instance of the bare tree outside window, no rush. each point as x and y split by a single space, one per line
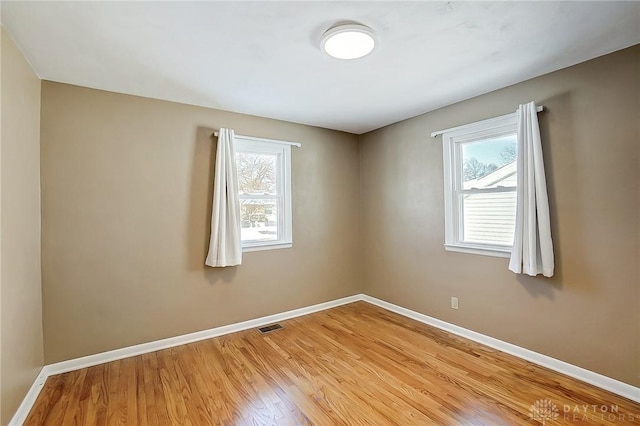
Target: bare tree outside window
508 154
256 173
474 169
257 178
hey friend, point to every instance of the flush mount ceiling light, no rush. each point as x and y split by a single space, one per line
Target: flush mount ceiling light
348 41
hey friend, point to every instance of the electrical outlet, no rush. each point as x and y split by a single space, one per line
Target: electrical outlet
454 303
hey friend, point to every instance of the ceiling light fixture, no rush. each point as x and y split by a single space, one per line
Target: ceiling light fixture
348 41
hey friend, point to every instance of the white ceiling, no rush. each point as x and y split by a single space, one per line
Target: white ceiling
263 58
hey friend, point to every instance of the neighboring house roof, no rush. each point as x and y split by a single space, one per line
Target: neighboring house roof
504 176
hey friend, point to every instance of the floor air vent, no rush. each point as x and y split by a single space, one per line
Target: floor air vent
269 328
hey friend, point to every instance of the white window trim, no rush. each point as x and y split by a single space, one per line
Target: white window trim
451 140
285 225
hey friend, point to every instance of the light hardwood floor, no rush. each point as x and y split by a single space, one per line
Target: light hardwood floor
352 365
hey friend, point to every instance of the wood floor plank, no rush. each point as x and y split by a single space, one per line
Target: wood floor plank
356 364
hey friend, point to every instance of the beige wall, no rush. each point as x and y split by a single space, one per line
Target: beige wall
126 204
21 304
589 313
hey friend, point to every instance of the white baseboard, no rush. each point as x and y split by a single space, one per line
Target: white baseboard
595 379
30 399
144 348
114 355
604 382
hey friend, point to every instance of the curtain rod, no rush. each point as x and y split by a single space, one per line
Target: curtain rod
539 108
251 138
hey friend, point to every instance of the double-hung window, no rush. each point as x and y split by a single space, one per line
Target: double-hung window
264 185
480 186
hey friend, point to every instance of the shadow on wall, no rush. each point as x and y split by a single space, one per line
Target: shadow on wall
200 206
557 130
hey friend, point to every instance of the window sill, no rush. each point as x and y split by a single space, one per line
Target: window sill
482 251
260 247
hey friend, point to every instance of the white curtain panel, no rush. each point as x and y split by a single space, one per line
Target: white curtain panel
225 247
532 246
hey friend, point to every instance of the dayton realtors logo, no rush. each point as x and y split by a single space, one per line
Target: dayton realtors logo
544 410
585 413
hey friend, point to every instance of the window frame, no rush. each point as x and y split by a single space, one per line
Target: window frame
282 150
452 141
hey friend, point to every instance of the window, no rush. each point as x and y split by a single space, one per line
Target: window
480 186
264 185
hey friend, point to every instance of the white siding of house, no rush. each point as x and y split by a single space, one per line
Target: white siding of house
490 217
